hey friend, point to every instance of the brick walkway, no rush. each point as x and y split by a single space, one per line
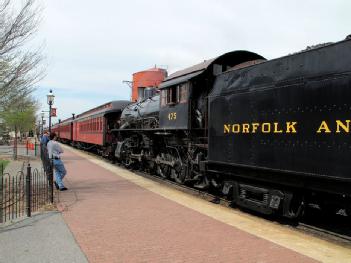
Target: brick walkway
115 220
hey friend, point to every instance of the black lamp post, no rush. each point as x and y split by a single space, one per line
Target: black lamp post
42 122
50 101
73 114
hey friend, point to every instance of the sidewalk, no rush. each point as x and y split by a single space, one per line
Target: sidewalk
21 166
44 237
113 215
41 238
117 216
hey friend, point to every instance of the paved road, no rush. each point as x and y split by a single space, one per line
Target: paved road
6 150
115 218
42 238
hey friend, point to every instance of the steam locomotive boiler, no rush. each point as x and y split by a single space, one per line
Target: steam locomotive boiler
167 133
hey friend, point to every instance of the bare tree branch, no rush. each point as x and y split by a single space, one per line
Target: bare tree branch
20 69
17 29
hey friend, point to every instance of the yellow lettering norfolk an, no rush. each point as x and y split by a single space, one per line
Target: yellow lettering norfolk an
266 127
246 128
290 127
323 127
226 128
345 127
236 128
255 127
276 126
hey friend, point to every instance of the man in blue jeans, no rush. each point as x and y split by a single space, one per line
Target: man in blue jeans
55 151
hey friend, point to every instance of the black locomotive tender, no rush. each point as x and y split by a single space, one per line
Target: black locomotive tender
272 135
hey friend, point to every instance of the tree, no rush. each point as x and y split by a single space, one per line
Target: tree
20 66
20 117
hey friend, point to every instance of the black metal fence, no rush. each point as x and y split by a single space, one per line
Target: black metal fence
48 170
44 156
25 192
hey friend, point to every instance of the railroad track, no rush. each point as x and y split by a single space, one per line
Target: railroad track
317 231
332 236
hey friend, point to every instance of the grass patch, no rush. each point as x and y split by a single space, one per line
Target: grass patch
3 163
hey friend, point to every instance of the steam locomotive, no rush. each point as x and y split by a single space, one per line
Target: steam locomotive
272 135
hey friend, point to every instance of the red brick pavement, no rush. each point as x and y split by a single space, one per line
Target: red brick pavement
114 220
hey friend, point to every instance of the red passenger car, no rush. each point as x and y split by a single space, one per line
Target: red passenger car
92 129
55 128
65 130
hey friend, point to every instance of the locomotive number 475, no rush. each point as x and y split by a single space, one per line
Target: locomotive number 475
172 116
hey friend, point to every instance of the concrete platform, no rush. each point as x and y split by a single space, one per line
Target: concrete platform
42 238
117 216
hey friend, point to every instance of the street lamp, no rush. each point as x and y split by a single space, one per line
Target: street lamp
50 98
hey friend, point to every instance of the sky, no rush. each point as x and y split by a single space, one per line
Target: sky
91 47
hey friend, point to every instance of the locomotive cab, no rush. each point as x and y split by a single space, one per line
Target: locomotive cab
174 106
184 93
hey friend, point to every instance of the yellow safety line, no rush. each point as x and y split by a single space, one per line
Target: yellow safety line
310 246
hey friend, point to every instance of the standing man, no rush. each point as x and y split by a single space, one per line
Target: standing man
44 139
55 150
43 143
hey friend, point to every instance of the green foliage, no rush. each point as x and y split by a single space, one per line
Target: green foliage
4 163
20 116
